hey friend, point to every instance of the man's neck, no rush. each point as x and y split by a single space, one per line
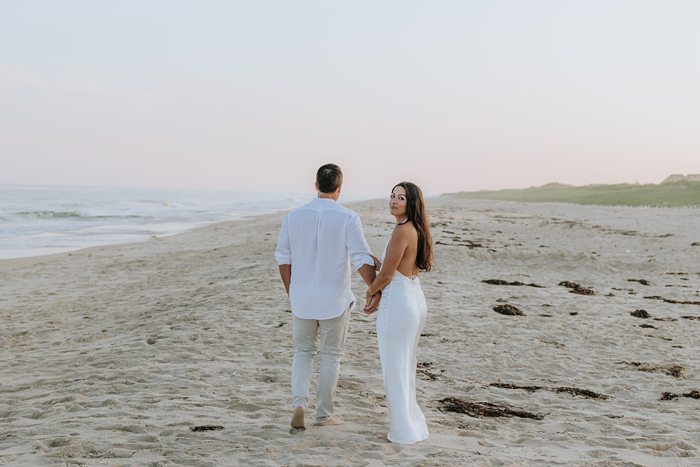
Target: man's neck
331 196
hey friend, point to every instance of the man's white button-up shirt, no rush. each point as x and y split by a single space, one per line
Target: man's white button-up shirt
319 239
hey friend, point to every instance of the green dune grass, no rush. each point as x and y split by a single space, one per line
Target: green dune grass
679 194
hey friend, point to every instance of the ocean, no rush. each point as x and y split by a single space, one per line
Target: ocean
41 220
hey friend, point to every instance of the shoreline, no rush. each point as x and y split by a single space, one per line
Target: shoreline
32 259
157 237
40 221
26 260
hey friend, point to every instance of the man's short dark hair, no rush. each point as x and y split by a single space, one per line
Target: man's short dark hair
328 178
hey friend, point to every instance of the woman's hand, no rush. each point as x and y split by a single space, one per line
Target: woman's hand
372 302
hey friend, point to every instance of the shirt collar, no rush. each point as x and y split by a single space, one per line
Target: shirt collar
324 200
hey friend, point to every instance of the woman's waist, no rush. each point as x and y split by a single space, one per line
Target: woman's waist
399 278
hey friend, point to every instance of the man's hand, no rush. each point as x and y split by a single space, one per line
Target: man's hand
377 263
286 275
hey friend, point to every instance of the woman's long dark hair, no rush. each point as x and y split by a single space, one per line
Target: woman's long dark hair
415 211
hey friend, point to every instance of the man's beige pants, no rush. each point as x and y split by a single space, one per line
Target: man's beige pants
330 334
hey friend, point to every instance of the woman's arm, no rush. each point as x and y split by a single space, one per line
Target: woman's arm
394 253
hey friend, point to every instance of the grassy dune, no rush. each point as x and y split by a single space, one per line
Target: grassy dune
679 194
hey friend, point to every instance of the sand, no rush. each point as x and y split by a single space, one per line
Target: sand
114 355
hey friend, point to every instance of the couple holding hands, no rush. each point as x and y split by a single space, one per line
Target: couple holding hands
316 246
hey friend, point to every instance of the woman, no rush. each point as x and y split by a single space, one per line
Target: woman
402 311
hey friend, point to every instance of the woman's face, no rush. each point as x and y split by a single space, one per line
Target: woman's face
398 202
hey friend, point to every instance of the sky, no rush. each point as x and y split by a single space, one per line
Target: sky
256 95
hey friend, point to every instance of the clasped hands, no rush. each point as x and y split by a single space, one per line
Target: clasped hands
372 301
373 297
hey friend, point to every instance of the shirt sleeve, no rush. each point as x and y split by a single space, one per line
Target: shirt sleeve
357 245
283 253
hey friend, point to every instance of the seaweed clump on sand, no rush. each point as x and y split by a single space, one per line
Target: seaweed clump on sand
669 396
424 371
581 392
641 281
640 314
513 283
467 243
676 371
558 389
670 300
509 310
207 428
576 288
484 409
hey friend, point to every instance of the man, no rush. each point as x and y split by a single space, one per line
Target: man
316 244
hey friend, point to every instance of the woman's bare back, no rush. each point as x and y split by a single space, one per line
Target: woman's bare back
407 265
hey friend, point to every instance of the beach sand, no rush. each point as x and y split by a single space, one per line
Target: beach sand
113 355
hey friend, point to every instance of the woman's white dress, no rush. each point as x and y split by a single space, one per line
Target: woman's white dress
400 320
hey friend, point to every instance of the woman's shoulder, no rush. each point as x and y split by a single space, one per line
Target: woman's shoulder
407 230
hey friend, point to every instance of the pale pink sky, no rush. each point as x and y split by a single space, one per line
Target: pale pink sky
454 95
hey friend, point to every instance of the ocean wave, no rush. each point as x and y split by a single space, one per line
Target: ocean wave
36 220
50 214
72 215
